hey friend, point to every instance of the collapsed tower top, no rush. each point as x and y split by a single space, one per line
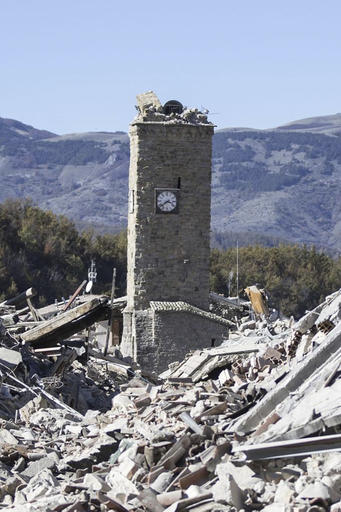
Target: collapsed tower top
150 110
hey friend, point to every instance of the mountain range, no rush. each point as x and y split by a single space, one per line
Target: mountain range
267 185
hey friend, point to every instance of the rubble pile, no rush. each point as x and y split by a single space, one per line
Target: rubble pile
150 110
251 425
35 359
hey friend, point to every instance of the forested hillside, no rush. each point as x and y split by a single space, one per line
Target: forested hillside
277 183
40 249
267 185
46 251
296 278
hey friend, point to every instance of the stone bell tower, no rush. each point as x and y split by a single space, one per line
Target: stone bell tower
168 234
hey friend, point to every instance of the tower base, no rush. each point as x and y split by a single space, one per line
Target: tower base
167 331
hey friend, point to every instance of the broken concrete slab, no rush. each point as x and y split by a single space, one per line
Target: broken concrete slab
10 358
37 466
319 490
226 491
313 361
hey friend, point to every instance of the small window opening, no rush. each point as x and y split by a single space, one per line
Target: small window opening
212 342
179 182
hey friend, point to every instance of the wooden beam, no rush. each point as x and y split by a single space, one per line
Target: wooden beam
68 323
75 295
291 448
30 292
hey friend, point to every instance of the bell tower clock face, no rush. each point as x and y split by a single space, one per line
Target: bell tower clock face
166 200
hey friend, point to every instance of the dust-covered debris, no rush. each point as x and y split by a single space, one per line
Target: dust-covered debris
251 425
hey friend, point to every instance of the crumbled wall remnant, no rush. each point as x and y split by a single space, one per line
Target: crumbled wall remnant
258 300
146 101
150 110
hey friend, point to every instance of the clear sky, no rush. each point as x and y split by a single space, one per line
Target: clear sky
77 65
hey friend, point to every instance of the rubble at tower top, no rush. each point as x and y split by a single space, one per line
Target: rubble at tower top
150 110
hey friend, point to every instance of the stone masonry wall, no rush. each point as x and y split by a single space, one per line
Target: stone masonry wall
128 345
176 334
168 255
138 334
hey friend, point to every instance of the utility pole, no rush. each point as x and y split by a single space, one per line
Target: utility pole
237 272
231 274
111 306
